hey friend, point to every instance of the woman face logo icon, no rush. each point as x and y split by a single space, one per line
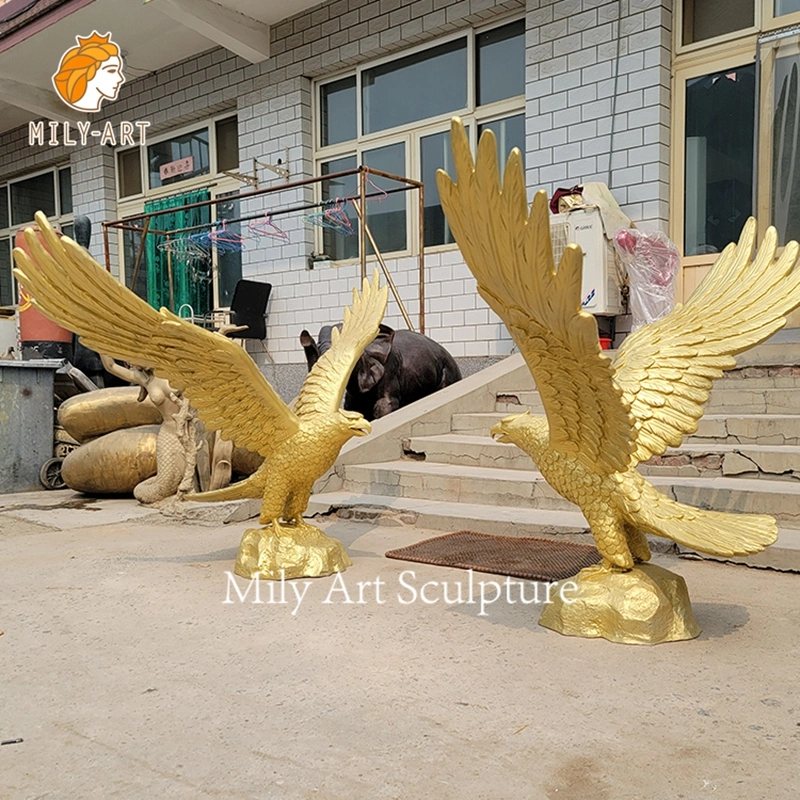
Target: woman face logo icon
90 73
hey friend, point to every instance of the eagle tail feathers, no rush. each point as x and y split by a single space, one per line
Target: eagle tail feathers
241 490
714 532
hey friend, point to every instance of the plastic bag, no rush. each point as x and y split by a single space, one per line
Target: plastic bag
652 262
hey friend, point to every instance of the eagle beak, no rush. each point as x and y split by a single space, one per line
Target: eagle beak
361 428
498 433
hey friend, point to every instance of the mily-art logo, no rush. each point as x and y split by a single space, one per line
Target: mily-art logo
88 75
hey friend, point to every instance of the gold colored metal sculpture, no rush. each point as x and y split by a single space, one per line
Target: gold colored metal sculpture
603 418
224 384
176 450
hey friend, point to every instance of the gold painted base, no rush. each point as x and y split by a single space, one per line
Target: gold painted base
299 551
646 605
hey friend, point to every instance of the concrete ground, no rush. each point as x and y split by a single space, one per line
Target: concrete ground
128 676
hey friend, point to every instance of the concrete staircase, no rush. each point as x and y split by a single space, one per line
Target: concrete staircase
434 463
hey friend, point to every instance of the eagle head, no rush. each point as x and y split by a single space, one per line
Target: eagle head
520 429
355 423
505 430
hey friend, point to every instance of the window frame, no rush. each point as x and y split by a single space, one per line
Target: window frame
216 182
59 219
198 181
764 21
472 115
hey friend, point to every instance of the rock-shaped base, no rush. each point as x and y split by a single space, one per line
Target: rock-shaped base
294 551
646 605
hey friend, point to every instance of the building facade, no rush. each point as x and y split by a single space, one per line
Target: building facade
687 111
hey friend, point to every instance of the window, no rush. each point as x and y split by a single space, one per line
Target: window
416 87
718 144
179 158
178 168
395 116
736 133
783 7
779 176
129 171
707 19
227 144
338 111
50 192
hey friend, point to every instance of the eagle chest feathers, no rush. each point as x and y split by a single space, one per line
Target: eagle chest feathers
567 474
312 450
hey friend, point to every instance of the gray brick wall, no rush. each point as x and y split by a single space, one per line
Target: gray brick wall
597 100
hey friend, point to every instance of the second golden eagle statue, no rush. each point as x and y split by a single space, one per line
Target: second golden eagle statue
226 387
603 418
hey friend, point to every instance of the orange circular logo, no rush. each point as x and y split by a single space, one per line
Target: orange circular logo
90 73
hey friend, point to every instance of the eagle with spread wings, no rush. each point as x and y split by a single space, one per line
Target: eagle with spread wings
604 418
217 375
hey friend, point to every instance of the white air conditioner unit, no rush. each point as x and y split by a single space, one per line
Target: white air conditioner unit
601 292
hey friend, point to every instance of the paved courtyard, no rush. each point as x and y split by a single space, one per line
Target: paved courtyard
127 675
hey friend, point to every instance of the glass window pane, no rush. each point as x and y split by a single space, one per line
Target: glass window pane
4 222
435 154
704 19
334 244
785 214
510 133
32 195
387 218
68 230
338 111
65 190
227 144
229 262
719 158
183 157
783 7
131 241
6 278
130 173
500 68
422 85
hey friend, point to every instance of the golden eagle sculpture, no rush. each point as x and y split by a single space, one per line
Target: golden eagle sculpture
231 395
603 418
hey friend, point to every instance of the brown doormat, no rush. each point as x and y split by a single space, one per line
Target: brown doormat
521 557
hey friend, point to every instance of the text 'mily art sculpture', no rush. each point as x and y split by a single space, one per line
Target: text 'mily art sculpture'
224 384
603 418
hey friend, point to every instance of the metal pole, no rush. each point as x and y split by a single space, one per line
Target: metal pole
362 201
107 248
421 259
139 255
383 266
169 274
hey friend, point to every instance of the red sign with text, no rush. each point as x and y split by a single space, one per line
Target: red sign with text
180 167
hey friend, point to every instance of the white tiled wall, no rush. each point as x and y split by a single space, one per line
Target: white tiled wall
575 67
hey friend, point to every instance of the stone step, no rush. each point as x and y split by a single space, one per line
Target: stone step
764 462
527 488
740 398
564 525
765 429
772 462
452 516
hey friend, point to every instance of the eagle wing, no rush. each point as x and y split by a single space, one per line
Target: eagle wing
666 369
510 254
325 385
218 376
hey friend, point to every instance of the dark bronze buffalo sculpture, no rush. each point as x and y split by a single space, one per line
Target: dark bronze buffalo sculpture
396 368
